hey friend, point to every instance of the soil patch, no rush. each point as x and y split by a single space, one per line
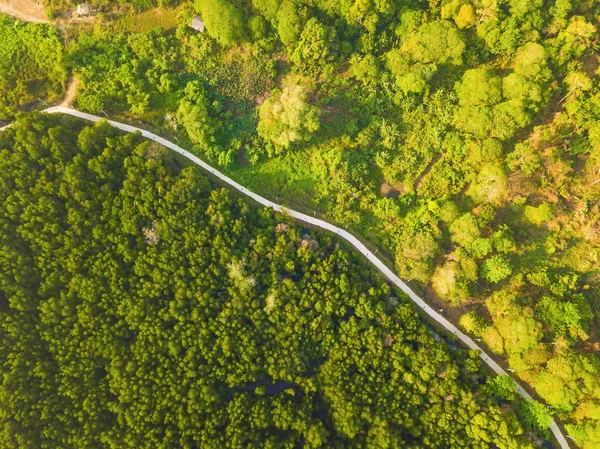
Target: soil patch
71 91
27 10
392 191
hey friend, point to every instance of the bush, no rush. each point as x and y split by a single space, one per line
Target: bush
496 268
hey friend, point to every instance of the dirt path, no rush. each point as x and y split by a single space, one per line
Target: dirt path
71 92
425 172
26 10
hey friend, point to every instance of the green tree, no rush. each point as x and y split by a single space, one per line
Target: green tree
503 387
496 268
290 19
538 215
490 186
31 67
414 257
366 68
525 158
223 20
536 414
161 311
438 42
268 8
531 62
465 17
479 87
465 230
194 115
314 47
287 117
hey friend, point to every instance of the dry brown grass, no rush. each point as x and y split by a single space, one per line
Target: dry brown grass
27 10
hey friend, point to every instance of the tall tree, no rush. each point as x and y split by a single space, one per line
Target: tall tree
223 20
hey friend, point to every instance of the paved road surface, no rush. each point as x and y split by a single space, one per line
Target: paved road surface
323 225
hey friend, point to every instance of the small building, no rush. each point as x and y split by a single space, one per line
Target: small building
83 9
198 24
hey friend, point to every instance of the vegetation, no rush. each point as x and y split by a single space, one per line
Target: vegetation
55 6
461 137
142 307
142 22
31 65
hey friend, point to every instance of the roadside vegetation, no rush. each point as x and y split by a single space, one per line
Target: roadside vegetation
479 119
140 306
460 137
32 70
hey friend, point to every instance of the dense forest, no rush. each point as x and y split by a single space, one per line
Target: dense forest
460 137
31 65
142 306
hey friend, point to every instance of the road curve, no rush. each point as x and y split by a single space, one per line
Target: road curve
323 225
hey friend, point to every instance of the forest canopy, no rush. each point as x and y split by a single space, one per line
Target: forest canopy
142 306
31 65
460 138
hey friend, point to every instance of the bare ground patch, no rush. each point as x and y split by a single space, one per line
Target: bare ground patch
26 10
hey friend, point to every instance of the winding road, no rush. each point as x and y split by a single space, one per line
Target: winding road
468 341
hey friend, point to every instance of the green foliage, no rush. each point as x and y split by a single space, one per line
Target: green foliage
287 117
503 387
258 27
496 268
525 158
573 41
473 323
415 256
365 69
490 185
120 72
465 17
538 215
425 148
513 330
194 115
160 312
31 65
536 414
314 47
410 78
556 383
436 42
465 230
503 240
290 19
417 246
531 62
566 318
481 247
268 8
223 20
479 87
452 280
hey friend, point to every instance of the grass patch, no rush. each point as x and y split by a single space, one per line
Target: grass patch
289 177
166 18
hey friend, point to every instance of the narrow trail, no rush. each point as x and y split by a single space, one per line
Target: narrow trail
389 274
71 91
